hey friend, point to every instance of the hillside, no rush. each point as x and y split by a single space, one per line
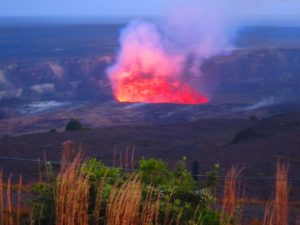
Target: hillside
254 145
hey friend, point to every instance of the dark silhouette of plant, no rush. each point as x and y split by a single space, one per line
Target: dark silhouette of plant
74 125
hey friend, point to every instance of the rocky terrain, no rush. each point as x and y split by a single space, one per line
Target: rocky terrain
248 74
38 95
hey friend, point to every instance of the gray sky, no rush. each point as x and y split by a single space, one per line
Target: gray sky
278 9
97 8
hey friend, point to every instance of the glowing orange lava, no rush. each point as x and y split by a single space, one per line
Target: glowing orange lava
156 90
145 71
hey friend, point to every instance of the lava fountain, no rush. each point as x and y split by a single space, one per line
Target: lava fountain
151 89
146 72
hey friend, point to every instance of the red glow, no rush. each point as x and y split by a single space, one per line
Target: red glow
146 72
157 90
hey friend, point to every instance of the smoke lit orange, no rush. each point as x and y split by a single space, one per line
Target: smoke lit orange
146 72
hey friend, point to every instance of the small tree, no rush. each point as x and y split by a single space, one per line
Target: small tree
253 118
53 130
73 125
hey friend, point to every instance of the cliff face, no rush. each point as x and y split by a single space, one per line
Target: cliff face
65 79
240 84
256 73
252 74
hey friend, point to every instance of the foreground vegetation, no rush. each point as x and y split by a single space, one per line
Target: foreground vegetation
86 192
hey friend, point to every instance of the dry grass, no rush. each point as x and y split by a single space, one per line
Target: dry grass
276 212
150 209
126 161
68 154
72 194
20 186
230 196
269 214
8 214
127 207
1 199
124 203
281 197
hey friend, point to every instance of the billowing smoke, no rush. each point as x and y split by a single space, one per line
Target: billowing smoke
160 62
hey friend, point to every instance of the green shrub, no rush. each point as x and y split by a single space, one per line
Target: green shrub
183 177
155 172
97 170
42 204
179 194
212 178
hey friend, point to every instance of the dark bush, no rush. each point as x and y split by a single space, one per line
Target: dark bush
253 118
5 137
73 125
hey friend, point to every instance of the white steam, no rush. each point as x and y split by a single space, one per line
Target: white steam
189 32
262 104
14 93
3 79
176 46
43 88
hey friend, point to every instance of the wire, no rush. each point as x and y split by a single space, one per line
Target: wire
45 161
198 175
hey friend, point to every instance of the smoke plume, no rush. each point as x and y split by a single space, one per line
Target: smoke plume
159 62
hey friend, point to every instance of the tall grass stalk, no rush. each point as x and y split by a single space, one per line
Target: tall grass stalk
8 215
19 200
276 212
67 152
124 202
99 195
269 214
1 199
72 194
9 219
150 208
281 197
230 197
